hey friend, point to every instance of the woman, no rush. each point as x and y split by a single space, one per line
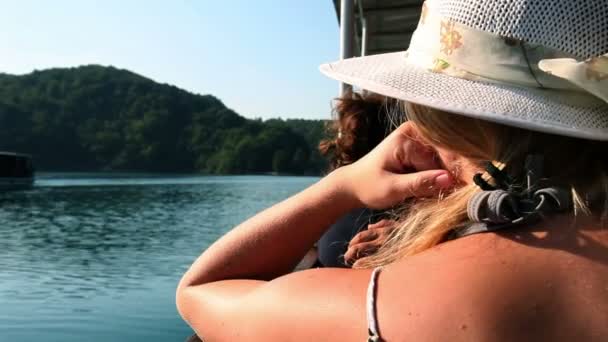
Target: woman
504 160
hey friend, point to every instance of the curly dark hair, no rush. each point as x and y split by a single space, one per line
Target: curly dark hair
361 122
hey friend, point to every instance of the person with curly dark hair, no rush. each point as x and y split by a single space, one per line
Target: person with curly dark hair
361 123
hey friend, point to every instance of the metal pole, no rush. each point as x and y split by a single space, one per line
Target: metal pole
363 28
347 21
363 37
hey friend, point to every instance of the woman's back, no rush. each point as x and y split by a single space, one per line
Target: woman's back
546 283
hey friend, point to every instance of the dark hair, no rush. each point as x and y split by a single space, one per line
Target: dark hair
194 338
361 122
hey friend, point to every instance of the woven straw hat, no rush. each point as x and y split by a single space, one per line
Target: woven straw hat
536 64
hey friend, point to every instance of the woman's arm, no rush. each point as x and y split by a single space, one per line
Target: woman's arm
271 243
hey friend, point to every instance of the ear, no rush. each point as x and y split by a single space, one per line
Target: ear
461 168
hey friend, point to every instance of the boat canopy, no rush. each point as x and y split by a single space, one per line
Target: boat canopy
369 27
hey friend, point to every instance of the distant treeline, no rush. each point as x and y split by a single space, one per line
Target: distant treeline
94 118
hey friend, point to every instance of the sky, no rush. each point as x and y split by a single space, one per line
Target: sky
259 57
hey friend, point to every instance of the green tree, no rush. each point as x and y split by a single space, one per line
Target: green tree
104 118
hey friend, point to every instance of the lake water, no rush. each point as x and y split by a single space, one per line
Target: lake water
90 257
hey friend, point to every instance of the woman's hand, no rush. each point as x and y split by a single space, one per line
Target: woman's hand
399 168
368 241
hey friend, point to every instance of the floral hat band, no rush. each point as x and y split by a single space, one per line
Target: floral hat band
443 46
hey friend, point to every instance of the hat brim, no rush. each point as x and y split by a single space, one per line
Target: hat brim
550 111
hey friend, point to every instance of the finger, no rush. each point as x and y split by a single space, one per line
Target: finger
383 233
363 236
359 251
423 183
380 224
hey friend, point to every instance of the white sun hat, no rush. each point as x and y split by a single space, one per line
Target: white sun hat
536 64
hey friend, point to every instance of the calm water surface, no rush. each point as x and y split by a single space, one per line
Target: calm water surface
88 257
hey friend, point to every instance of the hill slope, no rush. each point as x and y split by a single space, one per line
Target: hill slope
103 118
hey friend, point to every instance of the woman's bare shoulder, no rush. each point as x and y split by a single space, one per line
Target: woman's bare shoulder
489 286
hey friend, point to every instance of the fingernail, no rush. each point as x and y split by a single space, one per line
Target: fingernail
443 180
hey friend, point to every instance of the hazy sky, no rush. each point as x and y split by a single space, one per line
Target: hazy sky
259 57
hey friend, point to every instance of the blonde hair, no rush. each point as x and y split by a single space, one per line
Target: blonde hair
577 164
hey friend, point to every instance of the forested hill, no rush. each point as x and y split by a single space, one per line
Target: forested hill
102 118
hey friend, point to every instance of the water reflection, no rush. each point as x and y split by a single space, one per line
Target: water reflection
84 251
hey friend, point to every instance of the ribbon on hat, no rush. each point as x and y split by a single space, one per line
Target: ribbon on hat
591 75
444 46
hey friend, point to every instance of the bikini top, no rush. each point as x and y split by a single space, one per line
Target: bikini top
497 207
